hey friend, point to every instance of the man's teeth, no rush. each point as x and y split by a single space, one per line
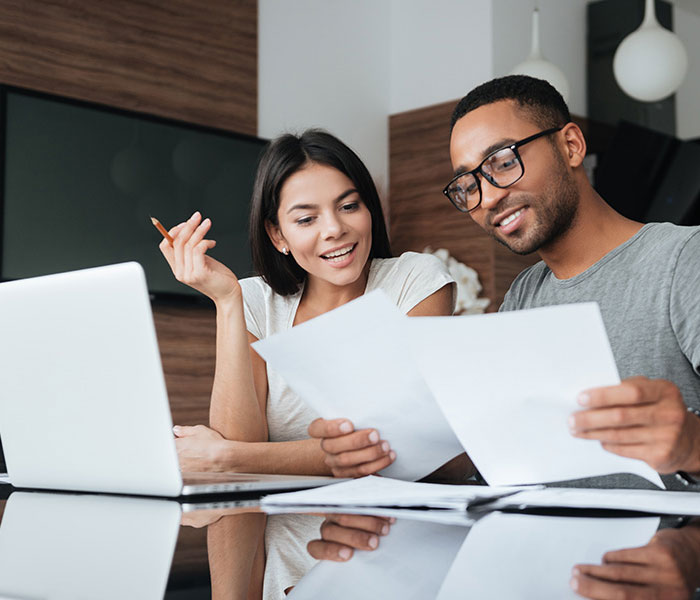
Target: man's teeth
338 254
510 218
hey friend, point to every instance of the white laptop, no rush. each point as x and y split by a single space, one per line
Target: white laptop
83 403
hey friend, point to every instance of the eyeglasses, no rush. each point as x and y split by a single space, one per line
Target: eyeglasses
501 168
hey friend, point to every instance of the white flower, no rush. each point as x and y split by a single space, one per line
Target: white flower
468 286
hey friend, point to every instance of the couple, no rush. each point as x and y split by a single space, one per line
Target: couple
319 240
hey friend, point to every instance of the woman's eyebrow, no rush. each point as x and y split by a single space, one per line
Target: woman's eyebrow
342 196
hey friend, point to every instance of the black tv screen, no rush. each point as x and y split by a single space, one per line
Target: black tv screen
80 183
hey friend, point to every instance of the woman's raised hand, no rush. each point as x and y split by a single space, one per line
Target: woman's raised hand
188 259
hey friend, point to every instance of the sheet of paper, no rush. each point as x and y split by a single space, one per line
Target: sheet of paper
352 362
410 563
507 383
651 501
383 491
531 556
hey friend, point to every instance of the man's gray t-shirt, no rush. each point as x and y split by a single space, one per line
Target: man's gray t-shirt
648 290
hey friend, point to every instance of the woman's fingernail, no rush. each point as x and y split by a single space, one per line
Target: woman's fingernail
573 582
385 529
392 455
345 427
345 553
385 446
374 437
176 429
373 542
572 423
583 399
195 214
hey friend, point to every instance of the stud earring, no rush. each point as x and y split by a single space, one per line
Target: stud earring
285 250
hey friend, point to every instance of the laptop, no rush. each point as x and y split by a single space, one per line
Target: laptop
83 402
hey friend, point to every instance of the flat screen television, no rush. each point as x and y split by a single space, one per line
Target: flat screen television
80 182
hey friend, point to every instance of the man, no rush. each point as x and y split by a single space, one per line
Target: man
517 159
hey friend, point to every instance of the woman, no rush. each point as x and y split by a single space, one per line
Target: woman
318 241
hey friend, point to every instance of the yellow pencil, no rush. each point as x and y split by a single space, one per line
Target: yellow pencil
162 230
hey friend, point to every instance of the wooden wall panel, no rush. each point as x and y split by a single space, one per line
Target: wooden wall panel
187 341
421 216
184 59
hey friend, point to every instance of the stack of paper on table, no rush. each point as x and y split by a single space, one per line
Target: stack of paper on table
505 384
381 492
373 491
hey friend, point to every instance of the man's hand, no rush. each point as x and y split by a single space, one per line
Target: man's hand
667 567
341 535
351 453
644 419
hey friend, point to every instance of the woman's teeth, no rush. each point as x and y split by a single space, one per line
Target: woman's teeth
510 218
338 255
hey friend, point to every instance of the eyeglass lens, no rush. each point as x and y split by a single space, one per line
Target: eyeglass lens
503 168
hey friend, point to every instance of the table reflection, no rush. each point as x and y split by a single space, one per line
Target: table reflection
90 546
69 546
514 556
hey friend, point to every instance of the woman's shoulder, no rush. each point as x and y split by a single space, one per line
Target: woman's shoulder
409 262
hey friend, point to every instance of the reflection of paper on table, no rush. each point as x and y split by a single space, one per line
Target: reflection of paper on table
507 383
383 491
410 563
531 557
352 362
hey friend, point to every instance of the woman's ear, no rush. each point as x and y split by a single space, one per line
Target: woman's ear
575 144
276 237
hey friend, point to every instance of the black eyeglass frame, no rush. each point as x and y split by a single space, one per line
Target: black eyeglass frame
478 170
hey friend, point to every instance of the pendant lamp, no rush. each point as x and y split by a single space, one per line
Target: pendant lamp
536 66
651 62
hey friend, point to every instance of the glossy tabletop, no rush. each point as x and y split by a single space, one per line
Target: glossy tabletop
59 545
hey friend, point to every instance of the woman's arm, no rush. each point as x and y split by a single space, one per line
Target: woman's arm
237 411
202 449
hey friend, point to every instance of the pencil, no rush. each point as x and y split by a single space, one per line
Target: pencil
162 230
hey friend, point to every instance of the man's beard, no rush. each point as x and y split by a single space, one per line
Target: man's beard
554 210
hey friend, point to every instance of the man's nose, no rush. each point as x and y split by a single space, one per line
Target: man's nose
491 195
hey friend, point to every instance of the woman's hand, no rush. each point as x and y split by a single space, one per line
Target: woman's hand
199 448
351 453
341 535
190 264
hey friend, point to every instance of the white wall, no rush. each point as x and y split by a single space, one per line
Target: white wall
325 63
440 49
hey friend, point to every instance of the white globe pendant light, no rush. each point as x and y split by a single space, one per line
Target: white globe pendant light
651 62
536 66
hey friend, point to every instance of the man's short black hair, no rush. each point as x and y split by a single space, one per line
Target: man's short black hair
283 157
538 98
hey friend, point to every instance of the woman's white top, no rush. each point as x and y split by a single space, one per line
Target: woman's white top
407 280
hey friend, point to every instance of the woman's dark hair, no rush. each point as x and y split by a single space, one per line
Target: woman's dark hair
282 158
537 97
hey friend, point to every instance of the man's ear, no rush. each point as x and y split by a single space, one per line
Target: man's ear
276 237
575 144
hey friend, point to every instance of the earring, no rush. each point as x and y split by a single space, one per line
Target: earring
285 250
